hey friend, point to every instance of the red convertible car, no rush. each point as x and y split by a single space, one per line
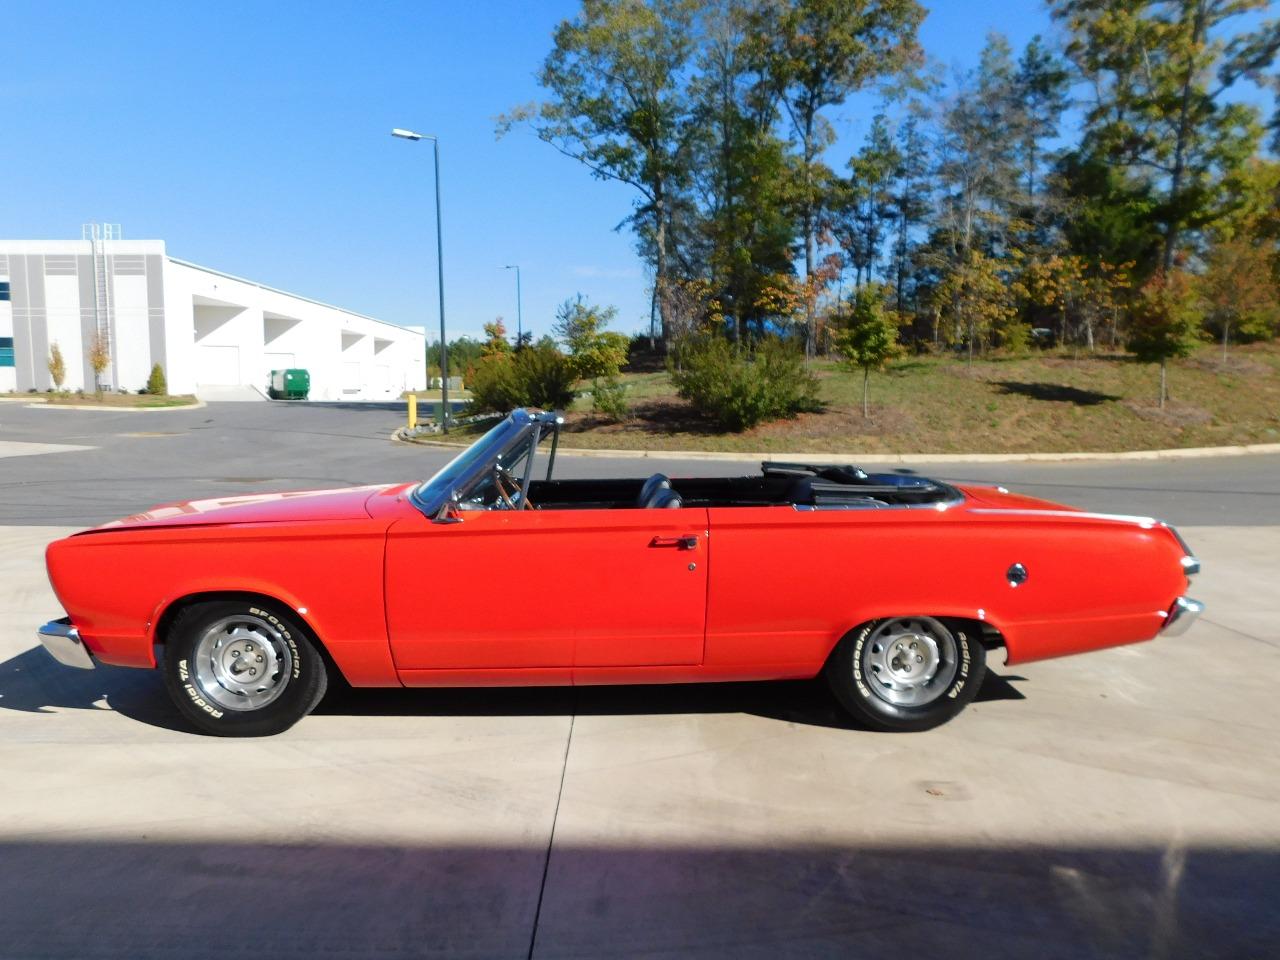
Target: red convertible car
892 586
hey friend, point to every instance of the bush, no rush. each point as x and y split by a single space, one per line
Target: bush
545 377
739 390
156 383
537 376
57 367
609 398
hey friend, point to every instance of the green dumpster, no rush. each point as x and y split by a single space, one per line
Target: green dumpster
289 385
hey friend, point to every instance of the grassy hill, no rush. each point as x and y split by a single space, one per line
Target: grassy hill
1043 402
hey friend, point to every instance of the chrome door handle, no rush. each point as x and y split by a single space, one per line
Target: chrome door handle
680 543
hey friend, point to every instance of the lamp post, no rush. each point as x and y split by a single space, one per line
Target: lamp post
519 305
444 344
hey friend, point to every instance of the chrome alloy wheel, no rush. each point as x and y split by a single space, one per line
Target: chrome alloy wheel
242 663
909 661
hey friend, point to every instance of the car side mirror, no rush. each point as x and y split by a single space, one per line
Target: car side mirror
449 511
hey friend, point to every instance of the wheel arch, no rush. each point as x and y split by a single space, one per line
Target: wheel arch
169 611
993 636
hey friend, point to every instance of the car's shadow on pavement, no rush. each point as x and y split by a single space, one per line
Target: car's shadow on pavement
807 702
32 682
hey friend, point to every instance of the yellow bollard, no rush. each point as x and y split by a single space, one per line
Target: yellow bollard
413 410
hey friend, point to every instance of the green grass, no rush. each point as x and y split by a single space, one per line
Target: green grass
1041 402
108 399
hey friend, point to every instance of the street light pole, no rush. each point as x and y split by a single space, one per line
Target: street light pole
444 343
519 305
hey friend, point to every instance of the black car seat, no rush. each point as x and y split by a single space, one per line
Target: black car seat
651 486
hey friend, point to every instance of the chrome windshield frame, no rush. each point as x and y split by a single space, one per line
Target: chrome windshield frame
510 432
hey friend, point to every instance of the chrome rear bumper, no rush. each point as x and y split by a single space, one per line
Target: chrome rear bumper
63 642
1182 614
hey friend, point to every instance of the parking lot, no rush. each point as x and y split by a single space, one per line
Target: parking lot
1120 804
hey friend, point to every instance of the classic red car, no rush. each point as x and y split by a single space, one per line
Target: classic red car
493 573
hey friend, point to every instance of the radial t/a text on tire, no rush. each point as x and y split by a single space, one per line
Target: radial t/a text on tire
907 673
242 668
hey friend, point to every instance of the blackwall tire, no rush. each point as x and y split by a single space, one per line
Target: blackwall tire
870 671
242 668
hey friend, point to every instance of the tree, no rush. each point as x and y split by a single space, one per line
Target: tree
978 300
595 351
1058 283
619 106
977 160
1164 323
596 354
99 360
57 366
1110 215
1239 291
496 341
1160 70
743 177
865 204
909 200
1040 89
869 339
821 51
156 384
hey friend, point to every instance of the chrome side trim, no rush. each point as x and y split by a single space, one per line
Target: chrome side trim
1190 562
1182 614
63 642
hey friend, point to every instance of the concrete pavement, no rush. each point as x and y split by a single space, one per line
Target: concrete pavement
1117 804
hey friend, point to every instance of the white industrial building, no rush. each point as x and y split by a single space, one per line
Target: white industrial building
213 334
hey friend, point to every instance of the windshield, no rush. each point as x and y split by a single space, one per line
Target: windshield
437 489
468 476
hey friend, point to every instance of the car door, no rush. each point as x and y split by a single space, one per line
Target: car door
506 589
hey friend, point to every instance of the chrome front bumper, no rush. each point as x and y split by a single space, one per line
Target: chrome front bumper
1182 614
63 642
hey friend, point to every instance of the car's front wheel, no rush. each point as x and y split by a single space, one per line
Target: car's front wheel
907 673
242 668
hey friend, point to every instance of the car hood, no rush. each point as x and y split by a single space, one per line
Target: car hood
347 503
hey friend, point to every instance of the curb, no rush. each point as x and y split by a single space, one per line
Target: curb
1175 453
43 405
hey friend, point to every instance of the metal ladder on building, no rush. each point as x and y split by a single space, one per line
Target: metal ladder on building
97 234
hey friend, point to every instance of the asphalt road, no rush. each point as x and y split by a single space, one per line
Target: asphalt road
146 458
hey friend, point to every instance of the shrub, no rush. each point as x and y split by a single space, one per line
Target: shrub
57 367
868 338
156 383
595 351
609 398
537 376
545 377
738 390
492 382
1164 323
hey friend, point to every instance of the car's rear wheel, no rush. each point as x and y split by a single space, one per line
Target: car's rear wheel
242 668
907 673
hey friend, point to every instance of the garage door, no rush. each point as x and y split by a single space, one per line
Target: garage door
218 365
280 361
351 379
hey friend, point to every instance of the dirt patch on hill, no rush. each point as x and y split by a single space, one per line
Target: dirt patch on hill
1233 366
1174 414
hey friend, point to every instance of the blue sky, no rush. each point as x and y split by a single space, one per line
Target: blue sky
254 138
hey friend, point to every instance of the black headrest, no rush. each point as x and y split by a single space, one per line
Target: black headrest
666 498
651 486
